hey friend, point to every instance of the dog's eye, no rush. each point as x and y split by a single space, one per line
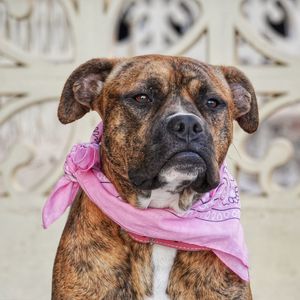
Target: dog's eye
142 98
213 103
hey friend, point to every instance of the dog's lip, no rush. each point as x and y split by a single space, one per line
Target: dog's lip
185 154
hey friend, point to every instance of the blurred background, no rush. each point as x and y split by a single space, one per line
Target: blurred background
42 41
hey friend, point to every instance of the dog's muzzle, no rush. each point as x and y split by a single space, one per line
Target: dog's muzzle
181 144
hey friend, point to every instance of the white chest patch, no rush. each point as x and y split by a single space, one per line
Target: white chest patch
162 259
165 197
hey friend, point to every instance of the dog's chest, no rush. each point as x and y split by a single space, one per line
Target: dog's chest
162 260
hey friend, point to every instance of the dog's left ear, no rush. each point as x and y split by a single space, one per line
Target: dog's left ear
83 88
245 104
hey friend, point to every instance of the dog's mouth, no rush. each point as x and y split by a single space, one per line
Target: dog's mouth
198 171
184 161
181 169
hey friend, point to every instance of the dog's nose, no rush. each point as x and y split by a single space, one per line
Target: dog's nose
185 127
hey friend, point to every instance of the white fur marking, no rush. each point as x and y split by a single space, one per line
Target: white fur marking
162 259
165 197
183 112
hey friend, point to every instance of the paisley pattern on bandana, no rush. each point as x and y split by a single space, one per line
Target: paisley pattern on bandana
223 205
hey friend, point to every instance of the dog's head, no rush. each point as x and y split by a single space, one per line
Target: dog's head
168 122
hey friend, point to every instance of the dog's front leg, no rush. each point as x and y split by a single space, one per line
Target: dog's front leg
201 275
96 261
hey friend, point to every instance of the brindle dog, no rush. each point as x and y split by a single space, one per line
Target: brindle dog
165 118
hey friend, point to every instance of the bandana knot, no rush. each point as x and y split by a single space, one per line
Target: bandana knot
82 157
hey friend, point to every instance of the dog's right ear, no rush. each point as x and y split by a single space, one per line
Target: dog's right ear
83 88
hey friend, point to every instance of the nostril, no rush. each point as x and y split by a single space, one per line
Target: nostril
197 128
179 127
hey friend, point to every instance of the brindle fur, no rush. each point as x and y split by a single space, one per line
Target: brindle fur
201 275
95 259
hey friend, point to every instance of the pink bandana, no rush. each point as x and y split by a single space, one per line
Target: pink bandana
212 223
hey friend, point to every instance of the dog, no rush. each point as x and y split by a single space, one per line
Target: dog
168 123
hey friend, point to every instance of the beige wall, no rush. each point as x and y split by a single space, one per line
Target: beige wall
42 41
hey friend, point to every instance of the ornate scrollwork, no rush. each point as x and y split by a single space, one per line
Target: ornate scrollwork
153 26
42 41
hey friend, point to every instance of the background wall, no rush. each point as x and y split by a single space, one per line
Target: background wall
42 41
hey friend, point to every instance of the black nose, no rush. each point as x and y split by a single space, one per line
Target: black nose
185 127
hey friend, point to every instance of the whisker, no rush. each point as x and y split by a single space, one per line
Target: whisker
237 151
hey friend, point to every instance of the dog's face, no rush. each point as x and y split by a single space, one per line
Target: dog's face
168 122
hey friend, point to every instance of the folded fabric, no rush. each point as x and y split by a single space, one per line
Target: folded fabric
212 223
